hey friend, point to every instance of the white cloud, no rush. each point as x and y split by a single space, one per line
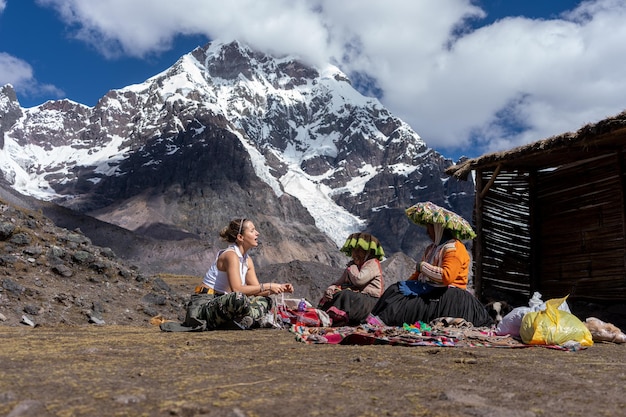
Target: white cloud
458 86
552 75
13 70
19 74
143 27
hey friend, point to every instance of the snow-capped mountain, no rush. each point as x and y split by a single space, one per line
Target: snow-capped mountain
229 132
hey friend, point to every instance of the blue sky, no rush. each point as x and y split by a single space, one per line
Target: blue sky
470 77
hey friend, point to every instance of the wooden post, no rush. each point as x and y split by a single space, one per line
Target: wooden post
622 170
477 248
534 269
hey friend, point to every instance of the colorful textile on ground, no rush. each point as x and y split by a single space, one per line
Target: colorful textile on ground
426 212
443 332
310 316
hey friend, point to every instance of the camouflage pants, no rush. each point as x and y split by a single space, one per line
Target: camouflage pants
212 312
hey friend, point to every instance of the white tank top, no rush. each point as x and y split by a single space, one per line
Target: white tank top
218 280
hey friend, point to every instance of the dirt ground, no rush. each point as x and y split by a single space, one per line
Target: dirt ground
75 340
141 371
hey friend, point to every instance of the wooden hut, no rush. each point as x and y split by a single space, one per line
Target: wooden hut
550 216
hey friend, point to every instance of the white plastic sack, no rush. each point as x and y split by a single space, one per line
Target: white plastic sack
512 322
536 304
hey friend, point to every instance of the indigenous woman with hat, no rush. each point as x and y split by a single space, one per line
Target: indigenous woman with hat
438 287
350 299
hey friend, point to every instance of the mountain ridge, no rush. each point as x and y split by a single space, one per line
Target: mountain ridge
229 132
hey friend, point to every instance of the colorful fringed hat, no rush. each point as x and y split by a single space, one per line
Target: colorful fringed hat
366 242
426 212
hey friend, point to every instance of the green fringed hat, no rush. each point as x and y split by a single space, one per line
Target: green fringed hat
426 212
366 242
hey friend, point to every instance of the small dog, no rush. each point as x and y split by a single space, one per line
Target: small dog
498 309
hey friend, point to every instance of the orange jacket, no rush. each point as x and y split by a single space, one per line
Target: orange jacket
450 266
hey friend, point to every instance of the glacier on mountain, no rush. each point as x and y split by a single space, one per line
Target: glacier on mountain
307 132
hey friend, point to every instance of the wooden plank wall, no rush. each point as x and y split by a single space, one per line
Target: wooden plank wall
580 216
556 231
504 237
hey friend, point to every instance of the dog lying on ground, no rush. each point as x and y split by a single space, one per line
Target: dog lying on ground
498 309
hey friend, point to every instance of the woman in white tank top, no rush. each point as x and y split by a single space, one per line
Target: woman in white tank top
231 285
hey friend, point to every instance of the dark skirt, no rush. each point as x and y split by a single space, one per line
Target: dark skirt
356 305
395 309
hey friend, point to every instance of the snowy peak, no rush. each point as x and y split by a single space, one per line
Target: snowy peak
234 60
10 110
226 117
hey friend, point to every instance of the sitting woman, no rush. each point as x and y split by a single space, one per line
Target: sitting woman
438 288
351 298
230 296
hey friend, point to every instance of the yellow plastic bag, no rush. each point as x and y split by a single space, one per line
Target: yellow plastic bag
553 326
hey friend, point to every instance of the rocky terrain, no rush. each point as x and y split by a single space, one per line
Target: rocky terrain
51 275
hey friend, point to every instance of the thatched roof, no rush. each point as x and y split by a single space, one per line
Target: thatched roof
554 151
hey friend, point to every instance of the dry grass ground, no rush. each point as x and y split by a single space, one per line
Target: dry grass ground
66 367
141 371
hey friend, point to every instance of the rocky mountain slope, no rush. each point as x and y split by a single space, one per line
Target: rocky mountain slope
228 132
50 275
